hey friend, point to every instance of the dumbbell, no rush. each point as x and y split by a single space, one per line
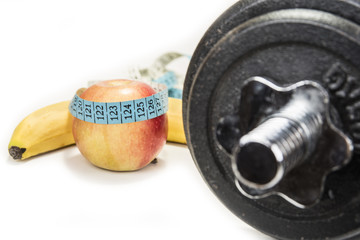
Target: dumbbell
271 109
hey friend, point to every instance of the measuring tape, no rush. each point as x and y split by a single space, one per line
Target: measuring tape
159 72
158 76
121 112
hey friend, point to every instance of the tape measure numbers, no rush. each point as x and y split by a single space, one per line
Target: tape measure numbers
120 112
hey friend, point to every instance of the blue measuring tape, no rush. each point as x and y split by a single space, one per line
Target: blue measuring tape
120 112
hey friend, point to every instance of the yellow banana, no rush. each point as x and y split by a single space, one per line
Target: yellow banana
175 121
50 128
44 130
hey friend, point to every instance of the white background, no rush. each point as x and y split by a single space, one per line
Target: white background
49 49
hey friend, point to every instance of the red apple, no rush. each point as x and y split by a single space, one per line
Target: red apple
120 147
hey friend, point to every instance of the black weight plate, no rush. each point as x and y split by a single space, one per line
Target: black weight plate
287 45
244 10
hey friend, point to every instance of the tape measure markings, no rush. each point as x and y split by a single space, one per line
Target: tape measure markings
140 113
127 112
100 115
152 113
114 113
120 112
79 109
89 109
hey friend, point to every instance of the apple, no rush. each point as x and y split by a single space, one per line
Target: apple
120 147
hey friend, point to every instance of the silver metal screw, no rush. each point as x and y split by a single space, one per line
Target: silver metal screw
293 146
282 141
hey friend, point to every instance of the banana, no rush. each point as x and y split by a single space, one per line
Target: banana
44 130
50 128
175 122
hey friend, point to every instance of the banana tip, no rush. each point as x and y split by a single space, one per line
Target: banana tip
16 152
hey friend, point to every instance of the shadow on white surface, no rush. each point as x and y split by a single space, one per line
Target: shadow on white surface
89 172
16 162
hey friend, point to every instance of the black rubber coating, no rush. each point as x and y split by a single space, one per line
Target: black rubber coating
270 38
